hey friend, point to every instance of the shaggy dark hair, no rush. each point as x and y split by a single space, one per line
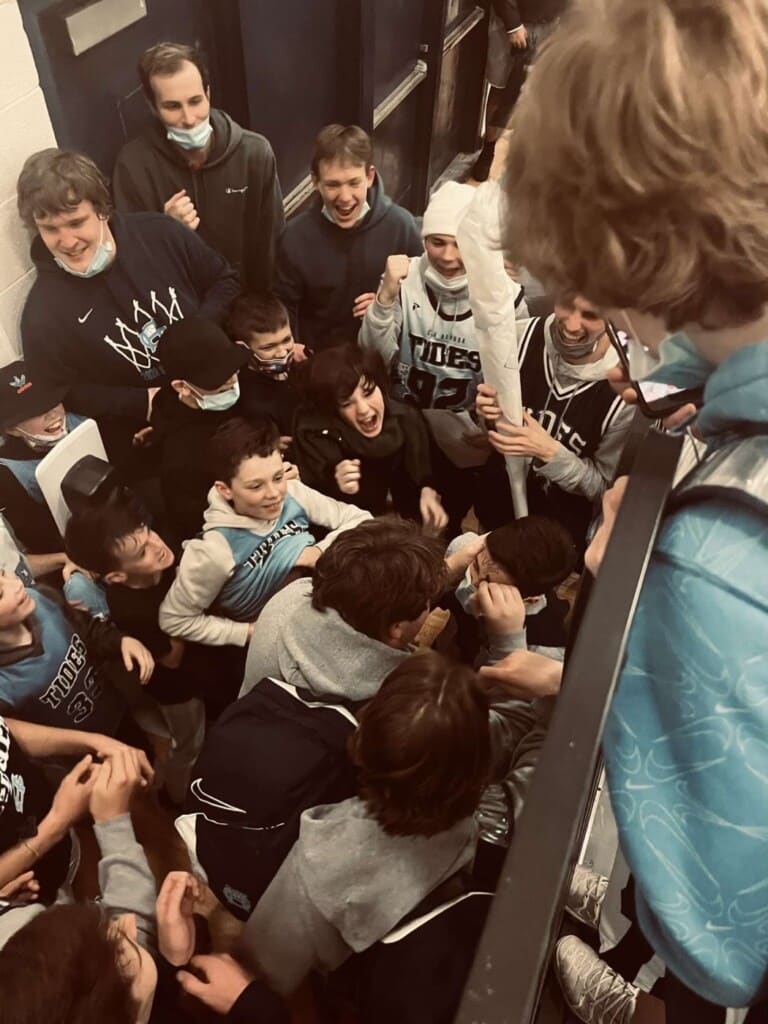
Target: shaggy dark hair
423 747
382 572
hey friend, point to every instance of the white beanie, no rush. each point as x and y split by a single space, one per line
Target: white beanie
446 209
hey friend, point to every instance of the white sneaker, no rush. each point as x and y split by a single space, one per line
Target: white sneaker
592 989
586 895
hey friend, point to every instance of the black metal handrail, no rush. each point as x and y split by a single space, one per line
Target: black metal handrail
505 982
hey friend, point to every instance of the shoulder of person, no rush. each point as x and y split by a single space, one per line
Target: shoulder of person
148 222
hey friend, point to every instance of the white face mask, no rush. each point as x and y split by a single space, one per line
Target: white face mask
43 440
451 285
192 138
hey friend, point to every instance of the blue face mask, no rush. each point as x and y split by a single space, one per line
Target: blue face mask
219 402
191 138
100 260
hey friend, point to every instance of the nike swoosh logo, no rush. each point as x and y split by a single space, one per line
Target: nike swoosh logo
197 790
82 319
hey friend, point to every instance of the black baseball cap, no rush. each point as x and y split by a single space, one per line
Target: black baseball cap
23 395
199 352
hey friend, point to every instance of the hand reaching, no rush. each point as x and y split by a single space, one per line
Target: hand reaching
502 607
433 515
118 779
175 924
525 675
135 655
224 981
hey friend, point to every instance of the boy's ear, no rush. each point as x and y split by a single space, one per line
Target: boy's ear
224 489
393 636
118 576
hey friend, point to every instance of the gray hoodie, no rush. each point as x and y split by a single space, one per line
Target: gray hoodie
345 885
315 650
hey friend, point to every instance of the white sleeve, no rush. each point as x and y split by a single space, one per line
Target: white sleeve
380 330
336 516
203 570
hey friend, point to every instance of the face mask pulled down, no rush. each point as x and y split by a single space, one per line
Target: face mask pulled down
192 138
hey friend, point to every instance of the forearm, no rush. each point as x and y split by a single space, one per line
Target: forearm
380 330
125 878
589 476
41 741
24 855
499 645
198 627
42 565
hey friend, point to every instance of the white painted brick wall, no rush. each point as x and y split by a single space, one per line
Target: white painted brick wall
25 127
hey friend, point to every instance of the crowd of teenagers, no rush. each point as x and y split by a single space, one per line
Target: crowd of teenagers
298 611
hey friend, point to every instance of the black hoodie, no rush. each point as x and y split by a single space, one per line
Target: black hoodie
98 335
236 192
322 268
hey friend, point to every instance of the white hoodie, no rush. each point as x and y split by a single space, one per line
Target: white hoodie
208 562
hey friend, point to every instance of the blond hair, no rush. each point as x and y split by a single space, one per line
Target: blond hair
637 173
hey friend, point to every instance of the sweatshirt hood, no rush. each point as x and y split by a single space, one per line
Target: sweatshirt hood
226 137
736 394
361 903
319 651
572 372
221 514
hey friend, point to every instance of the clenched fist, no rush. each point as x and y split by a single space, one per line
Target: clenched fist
348 475
395 271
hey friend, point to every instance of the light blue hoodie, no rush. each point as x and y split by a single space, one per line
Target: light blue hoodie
686 743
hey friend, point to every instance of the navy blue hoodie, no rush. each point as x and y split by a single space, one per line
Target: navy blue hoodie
98 335
322 268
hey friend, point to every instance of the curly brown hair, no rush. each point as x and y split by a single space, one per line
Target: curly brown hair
637 170
56 181
383 572
423 747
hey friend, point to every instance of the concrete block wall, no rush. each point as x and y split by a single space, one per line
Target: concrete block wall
25 127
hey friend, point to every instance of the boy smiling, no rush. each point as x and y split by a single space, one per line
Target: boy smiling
256 533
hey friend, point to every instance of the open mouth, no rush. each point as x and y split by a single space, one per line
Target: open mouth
369 425
345 211
75 257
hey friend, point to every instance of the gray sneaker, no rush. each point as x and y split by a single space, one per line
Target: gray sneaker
586 895
592 989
